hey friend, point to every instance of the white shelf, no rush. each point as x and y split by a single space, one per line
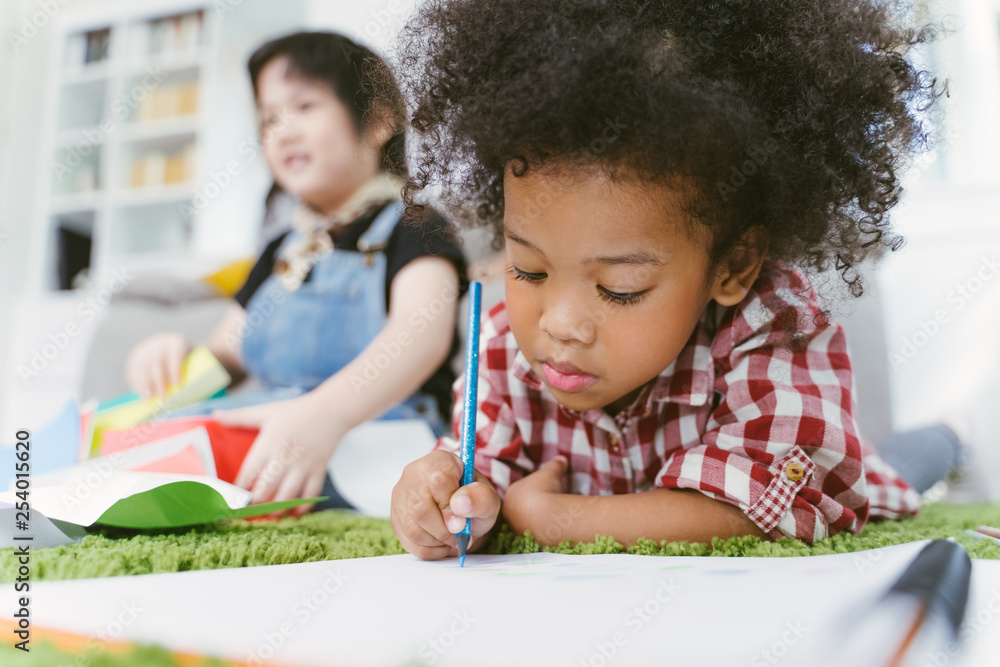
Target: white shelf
178 126
88 74
88 134
76 203
154 195
175 62
170 99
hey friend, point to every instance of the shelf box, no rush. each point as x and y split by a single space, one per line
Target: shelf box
76 169
159 163
87 50
170 37
177 194
150 227
164 128
82 104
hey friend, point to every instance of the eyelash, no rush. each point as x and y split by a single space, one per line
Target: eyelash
617 298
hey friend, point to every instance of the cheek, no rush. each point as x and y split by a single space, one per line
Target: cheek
646 341
522 309
340 144
271 157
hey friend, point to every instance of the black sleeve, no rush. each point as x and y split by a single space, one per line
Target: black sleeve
260 272
431 237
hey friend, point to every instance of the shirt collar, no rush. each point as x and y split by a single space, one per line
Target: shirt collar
687 380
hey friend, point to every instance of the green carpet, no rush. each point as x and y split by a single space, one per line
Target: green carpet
339 534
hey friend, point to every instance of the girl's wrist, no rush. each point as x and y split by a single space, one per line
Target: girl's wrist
329 419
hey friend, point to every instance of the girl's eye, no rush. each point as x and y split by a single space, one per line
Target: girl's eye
627 299
518 274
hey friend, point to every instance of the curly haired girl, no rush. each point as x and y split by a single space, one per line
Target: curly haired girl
665 177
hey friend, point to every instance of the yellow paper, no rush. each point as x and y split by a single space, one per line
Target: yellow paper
201 376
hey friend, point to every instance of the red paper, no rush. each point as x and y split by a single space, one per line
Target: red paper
185 462
229 444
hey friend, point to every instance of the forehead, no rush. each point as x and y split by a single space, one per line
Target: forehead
585 208
279 81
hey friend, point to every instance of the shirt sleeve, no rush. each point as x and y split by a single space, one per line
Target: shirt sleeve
260 272
782 445
430 238
501 454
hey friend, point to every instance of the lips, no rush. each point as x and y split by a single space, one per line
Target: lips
567 377
295 161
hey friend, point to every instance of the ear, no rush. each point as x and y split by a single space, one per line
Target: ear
741 268
381 127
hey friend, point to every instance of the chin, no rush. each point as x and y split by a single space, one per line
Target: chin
581 402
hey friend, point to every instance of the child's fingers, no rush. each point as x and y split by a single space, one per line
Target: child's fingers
156 378
428 548
266 485
420 528
443 477
478 500
289 486
425 544
430 518
262 490
252 464
174 363
312 488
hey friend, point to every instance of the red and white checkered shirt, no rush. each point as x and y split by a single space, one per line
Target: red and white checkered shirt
756 411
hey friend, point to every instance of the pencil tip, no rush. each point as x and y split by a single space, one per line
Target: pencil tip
462 541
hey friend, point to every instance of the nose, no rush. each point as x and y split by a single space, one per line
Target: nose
566 318
283 131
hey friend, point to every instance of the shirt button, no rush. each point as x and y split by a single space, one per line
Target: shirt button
795 471
614 441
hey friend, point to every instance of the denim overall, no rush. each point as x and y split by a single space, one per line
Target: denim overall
293 341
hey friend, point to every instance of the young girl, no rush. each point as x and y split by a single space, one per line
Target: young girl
666 175
348 287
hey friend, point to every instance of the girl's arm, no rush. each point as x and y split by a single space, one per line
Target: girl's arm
537 503
297 437
661 514
225 341
416 340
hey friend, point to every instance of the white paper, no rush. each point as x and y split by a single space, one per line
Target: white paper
370 460
43 532
88 490
537 609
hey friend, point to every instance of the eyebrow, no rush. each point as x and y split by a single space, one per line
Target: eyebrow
634 257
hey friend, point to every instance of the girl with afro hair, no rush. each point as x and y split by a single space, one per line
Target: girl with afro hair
666 178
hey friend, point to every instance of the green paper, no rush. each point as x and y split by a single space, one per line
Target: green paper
181 504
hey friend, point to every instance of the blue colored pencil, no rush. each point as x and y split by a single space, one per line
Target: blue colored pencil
469 407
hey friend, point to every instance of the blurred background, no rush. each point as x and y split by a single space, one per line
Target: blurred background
130 170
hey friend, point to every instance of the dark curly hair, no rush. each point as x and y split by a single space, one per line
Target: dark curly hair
794 117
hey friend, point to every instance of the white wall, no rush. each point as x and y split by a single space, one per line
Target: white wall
941 292
951 216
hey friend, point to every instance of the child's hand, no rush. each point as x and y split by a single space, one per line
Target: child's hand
155 364
429 507
526 505
290 456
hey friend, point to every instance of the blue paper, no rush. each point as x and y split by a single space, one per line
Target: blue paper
53 446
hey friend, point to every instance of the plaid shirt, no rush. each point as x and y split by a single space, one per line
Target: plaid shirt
756 411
